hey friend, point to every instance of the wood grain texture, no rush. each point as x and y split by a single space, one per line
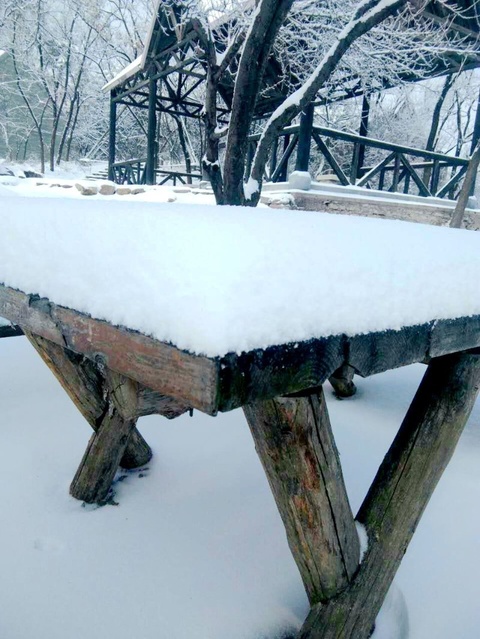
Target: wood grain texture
106 447
294 441
400 492
211 384
277 370
86 386
154 364
381 351
450 336
342 381
152 402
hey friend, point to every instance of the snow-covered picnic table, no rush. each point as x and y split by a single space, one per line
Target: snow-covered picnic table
143 308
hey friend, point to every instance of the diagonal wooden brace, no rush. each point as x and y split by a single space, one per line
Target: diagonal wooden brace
106 447
400 492
85 384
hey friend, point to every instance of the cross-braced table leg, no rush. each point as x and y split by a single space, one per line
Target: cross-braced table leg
391 510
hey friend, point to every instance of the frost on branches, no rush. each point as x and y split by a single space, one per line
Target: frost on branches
365 41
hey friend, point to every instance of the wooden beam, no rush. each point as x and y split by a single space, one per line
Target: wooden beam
159 366
374 170
305 138
152 132
112 137
363 132
270 372
331 159
94 477
423 189
280 173
85 384
294 441
223 383
399 494
342 381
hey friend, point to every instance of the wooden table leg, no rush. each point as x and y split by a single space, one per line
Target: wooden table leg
111 404
85 384
399 494
294 441
100 462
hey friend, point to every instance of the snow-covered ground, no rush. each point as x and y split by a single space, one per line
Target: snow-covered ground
195 548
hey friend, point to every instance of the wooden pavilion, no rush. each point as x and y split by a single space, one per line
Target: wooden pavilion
167 78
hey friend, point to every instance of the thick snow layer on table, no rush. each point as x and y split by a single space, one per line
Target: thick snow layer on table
218 279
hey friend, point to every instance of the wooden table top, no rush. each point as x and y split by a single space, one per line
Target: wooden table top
213 384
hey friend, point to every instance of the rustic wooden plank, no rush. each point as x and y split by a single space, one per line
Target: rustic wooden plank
400 492
85 384
378 352
152 402
29 311
451 336
159 366
262 374
106 447
212 384
294 441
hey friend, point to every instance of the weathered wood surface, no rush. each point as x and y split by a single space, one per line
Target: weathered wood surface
86 386
106 447
159 366
342 381
294 441
275 371
400 492
224 383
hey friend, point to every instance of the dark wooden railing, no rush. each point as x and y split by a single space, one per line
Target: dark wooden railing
402 169
134 172
128 172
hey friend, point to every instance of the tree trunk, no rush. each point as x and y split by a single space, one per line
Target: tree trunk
434 126
268 19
